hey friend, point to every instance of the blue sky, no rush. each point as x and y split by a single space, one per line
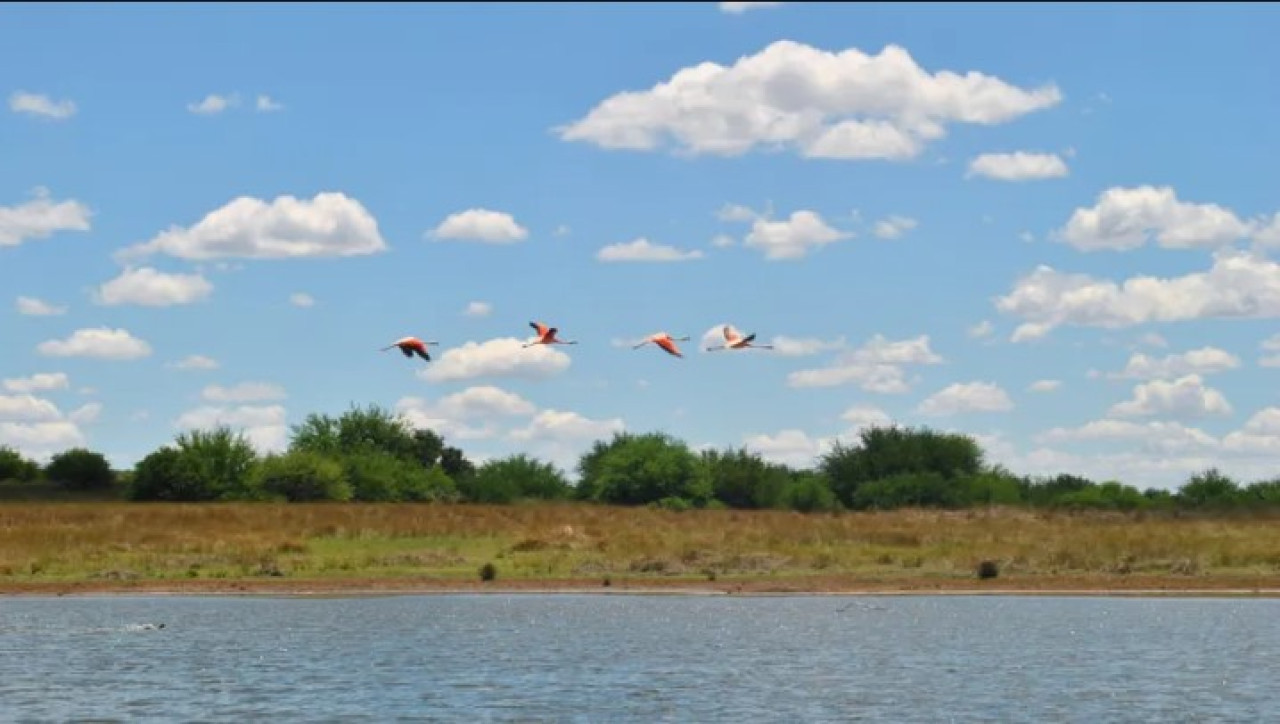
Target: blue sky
1053 227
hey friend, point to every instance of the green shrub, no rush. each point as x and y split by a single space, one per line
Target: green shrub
898 453
809 492
742 479
376 476
359 429
1209 489
220 462
164 474
301 476
909 490
13 466
1263 493
637 469
513 478
994 487
80 469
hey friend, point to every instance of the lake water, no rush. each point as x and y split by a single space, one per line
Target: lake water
610 658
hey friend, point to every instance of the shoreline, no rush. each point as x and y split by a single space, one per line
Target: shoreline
1047 586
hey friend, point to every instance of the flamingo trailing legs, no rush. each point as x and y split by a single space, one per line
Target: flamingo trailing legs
665 341
733 339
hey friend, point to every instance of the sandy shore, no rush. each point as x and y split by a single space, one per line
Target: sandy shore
1251 586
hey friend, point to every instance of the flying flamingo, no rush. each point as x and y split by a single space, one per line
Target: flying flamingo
665 341
733 339
411 346
546 335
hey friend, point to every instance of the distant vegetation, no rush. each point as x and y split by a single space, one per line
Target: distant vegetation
368 454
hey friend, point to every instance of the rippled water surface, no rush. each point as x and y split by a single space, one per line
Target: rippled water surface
639 658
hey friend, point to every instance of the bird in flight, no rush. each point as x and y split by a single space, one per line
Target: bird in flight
665 341
546 335
411 346
733 339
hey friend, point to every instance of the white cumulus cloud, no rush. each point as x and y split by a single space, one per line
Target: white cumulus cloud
39 104
737 8
1185 397
86 414
263 425
27 408
99 343
40 218
877 366
966 397
329 225
244 392
33 307
642 250
1128 218
197 362
802 346
302 299
38 382
471 414
1045 385
894 227
478 309
503 357
1017 166
791 447
267 105
213 103
149 287
1202 361
483 225
863 416
1240 285
840 105
563 425
1155 437
794 237
39 440
981 329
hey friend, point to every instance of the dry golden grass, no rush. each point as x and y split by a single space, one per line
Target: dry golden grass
107 546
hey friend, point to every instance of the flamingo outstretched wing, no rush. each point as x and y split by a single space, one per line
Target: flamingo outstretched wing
668 345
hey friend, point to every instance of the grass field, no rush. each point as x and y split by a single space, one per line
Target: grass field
115 546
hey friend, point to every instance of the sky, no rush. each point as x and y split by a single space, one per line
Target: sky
1052 227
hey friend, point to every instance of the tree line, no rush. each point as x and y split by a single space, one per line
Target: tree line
368 454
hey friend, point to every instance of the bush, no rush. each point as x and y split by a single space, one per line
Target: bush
514 478
742 479
895 452
376 476
301 476
1263 493
164 474
809 492
638 469
360 429
434 484
13 466
80 469
994 487
1209 489
488 572
910 490
220 463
